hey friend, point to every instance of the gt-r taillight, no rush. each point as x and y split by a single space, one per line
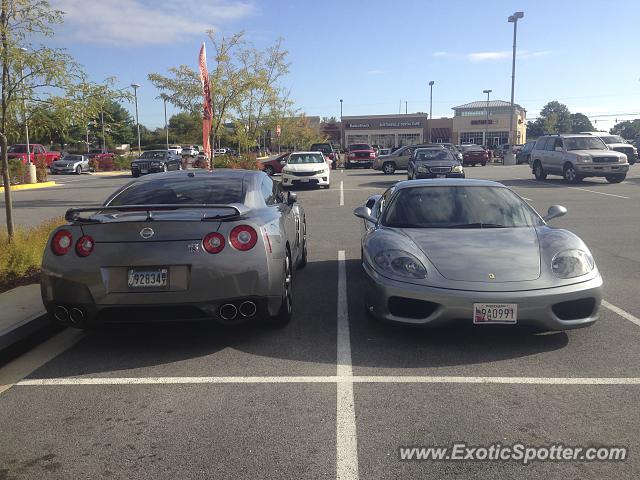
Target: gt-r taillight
61 242
243 237
84 246
213 242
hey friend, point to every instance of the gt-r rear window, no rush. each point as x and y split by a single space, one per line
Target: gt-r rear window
182 191
458 207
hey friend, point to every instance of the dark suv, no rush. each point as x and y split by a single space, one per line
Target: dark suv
328 151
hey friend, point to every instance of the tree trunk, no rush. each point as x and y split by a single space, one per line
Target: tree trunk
3 123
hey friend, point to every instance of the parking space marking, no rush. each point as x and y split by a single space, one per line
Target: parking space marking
621 312
13 373
599 193
341 193
346 438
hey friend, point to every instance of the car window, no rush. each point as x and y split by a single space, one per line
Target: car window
305 158
432 154
584 143
267 191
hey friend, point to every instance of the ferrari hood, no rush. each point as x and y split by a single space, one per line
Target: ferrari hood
481 255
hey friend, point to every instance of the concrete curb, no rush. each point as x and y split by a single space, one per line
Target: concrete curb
110 174
26 328
24 315
30 186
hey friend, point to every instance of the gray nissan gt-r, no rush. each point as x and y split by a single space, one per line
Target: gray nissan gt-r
183 245
454 250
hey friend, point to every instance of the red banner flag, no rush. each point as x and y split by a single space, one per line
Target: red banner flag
207 116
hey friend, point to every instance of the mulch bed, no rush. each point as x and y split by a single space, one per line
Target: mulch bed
7 284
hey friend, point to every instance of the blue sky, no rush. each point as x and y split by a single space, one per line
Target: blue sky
374 53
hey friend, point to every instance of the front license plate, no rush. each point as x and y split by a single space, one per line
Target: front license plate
304 180
144 170
147 277
486 313
441 176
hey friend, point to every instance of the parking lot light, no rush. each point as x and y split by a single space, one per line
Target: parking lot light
509 158
431 83
135 95
486 125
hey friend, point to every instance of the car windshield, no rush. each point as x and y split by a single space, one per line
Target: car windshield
73 158
181 190
153 155
433 154
458 207
472 148
359 146
584 143
303 158
321 148
613 139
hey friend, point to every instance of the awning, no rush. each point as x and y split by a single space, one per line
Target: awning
440 133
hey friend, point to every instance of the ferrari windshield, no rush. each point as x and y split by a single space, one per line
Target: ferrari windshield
458 207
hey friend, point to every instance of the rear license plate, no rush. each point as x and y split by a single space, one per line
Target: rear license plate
485 313
441 176
144 170
147 277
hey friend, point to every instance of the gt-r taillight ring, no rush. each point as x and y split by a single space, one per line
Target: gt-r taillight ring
213 242
61 242
84 246
243 237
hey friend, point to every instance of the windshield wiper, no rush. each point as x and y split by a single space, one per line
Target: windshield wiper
477 225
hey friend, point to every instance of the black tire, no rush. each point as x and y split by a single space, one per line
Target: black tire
286 309
135 174
79 170
347 165
269 170
388 168
569 174
538 171
484 164
616 178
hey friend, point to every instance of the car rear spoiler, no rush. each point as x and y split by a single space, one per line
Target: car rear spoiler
74 214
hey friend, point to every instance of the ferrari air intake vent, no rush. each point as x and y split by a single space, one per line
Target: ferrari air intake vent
411 308
574 309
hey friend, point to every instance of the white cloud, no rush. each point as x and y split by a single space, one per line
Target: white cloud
440 54
492 56
375 72
143 22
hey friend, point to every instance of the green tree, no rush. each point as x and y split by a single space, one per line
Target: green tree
556 117
580 123
629 129
535 128
185 127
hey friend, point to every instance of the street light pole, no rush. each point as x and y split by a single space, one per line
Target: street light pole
24 110
341 127
486 123
166 125
135 94
104 139
509 160
430 107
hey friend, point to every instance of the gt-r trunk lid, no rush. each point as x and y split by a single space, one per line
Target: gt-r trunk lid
481 255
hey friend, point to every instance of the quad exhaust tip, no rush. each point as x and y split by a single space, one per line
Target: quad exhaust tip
76 315
61 314
228 311
248 309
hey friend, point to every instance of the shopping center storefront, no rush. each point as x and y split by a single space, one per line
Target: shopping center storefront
475 123
385 130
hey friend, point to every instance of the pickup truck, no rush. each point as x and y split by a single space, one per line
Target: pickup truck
35 149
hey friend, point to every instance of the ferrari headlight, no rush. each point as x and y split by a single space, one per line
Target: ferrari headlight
457 169
572 263
400 263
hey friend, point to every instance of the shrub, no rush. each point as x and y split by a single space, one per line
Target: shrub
122 162
20 260
41 168
17 171
106 162
94 165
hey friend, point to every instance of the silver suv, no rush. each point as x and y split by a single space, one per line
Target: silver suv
576 156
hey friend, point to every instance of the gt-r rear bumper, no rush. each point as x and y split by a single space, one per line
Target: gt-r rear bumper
395 301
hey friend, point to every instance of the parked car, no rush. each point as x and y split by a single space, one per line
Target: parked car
189 151
384 151
577 156
175 149
154 161
434 162
306 168
220 151
328 152
274 163
399 159
474 154
433 253
359 155
452 148
619 144
222 245
71 164
523 155
36 150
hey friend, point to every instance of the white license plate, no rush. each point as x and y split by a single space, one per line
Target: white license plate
144 170
304 180
485 313
441 176
147 277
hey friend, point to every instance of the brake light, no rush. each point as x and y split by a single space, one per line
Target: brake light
61 242
213 242
84 246
243 238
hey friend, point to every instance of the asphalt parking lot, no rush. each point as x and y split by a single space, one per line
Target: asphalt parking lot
334 395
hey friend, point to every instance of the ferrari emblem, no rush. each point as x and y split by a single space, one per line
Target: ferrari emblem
492 276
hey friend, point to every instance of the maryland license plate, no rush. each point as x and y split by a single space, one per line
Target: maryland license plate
147 277
486 313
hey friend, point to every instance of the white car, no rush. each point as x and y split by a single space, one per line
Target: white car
220 151
190 150
176 149
306 168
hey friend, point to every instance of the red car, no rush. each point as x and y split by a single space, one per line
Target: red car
35 150
274 163
360 155
474 154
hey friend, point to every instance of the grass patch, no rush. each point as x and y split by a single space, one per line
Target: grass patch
20 260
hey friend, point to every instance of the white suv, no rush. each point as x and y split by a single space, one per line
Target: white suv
576 156
617 143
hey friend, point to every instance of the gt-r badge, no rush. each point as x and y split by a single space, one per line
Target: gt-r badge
147 232
492 276
193 247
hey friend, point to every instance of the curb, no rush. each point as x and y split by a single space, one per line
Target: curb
30 186
109 174
26 328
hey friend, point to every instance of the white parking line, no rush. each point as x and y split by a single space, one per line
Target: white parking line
346 438
341 193
621 312
599 193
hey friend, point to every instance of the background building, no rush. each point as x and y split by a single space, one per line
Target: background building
385 130
472 123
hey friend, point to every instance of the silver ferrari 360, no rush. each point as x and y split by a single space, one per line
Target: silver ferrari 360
184 245
454 250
